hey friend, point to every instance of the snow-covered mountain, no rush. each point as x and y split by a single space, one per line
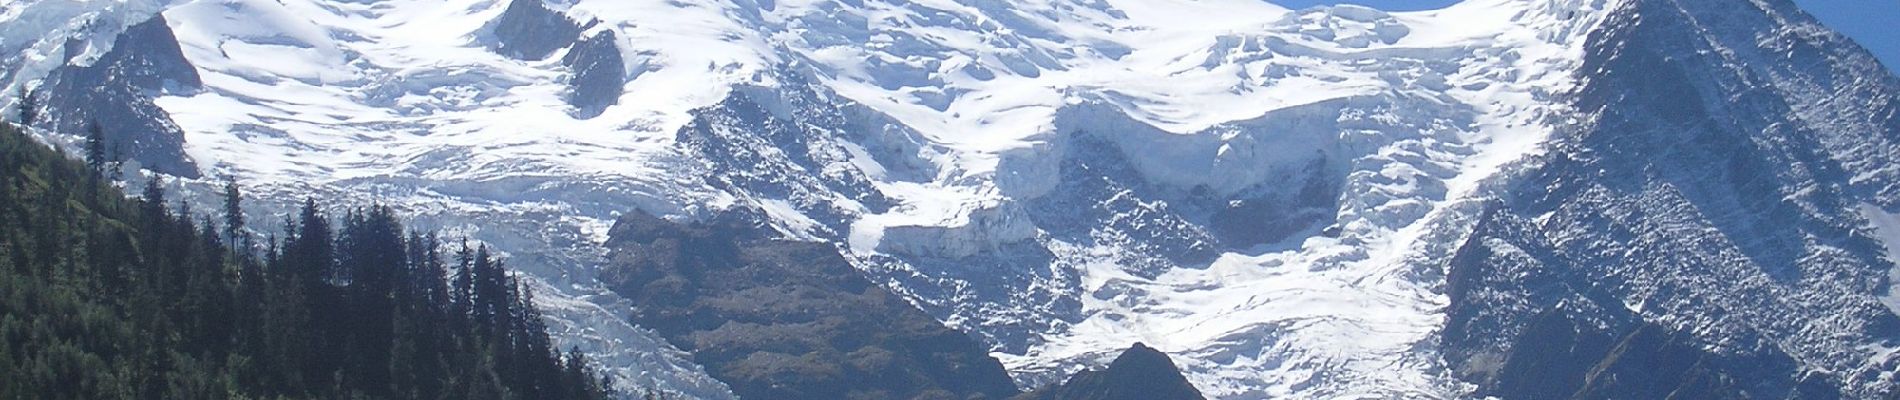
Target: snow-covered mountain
1335 202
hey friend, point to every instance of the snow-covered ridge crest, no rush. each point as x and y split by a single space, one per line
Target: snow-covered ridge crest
933 139
40 36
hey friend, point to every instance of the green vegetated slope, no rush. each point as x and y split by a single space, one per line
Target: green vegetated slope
102 297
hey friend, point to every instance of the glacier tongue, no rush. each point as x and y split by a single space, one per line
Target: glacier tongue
1361 140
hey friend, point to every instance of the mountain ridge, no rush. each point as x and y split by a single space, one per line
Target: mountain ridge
1361 151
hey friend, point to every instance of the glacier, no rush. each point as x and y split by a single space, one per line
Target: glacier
1276 197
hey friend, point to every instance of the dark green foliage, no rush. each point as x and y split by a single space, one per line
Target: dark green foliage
107 298
29 107
234 218
95 149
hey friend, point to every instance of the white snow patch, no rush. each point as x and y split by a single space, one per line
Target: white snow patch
1886 228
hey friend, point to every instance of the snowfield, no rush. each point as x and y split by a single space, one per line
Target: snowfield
965 118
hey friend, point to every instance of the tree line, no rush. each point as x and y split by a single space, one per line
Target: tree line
106 297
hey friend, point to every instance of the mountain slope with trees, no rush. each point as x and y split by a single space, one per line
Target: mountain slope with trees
102 297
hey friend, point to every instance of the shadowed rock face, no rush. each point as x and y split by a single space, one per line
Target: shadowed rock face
1140 373
778 319
1698 235
598 74
1561 355
528 30
116 92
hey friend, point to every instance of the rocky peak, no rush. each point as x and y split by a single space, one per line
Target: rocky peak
528 30
115 92
1139 373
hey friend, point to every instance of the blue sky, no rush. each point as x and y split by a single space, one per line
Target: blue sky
1875 24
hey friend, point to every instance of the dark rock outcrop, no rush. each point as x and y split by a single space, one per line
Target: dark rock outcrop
1563 356
737 138
528 30
1139 373
779 319
116 92
1100 184
598 74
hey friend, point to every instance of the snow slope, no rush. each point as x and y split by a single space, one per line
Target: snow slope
1268 194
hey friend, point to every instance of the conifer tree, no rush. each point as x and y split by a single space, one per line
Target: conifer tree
29 106
234 232
96 149
152 199
115 169
463 290
311 252
110 298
